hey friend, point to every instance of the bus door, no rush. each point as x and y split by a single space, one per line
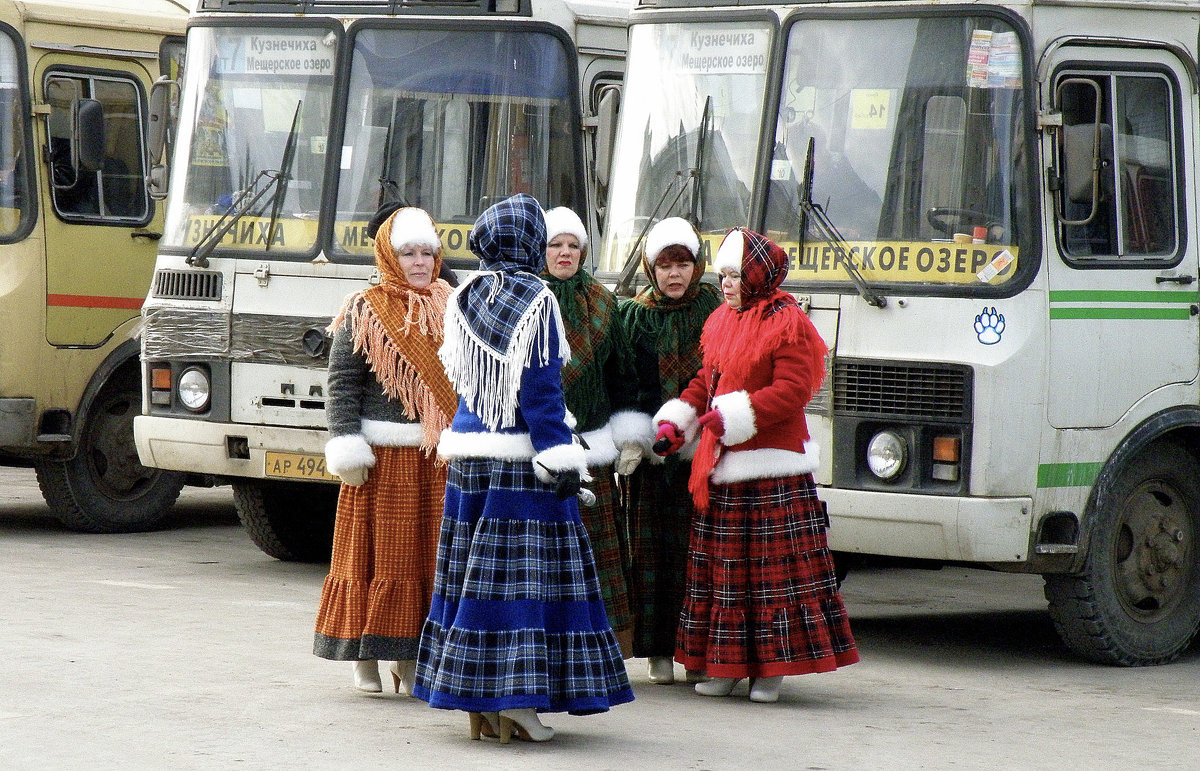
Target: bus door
99 249
1123 288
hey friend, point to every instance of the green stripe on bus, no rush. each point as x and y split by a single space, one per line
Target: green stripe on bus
1158 314
1068 474
1122 296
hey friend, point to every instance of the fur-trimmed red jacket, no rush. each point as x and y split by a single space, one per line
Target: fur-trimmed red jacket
764 378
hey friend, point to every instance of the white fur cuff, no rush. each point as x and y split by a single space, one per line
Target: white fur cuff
738 415
560 457
601 451
676 411
630 426
343 453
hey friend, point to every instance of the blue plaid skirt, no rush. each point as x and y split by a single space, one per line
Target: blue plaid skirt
517 618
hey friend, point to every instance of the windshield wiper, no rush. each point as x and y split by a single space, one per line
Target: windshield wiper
829 232
246 200
694 173
285 175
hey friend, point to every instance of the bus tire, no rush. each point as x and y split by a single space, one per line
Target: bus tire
104 488
1137 601
290 521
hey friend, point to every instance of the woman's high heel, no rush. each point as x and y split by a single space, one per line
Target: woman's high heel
765 689
366 676
404 673
484 724
717 686
525 724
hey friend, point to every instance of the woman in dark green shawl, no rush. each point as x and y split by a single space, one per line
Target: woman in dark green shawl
662 326
593 382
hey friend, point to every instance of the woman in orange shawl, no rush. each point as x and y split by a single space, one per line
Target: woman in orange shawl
389 400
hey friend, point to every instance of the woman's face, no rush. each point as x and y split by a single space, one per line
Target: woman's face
416 263
563 254
673 276
731 287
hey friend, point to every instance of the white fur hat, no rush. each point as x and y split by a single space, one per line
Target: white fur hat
411 225
672 230
729 255
561 220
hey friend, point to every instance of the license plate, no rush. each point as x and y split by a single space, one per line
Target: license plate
295 465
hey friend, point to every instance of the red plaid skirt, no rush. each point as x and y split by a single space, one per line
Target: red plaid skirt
761 595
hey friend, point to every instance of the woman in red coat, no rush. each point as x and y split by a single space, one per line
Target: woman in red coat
761 599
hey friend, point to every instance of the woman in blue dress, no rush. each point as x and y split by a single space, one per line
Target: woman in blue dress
518 624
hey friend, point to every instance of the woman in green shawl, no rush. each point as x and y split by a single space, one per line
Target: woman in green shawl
662 326
592 384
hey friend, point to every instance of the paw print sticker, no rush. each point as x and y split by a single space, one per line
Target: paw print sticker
989 326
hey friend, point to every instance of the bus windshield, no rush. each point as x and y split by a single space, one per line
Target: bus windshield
14 182
254 119
453 120
919 136
688 143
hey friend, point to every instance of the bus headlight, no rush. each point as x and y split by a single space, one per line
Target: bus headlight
887 455
194 389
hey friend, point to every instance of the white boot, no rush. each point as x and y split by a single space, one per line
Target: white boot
717 686
765 689
366 676
661 670
404 674
523 722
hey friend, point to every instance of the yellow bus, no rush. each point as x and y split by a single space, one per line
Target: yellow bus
78 235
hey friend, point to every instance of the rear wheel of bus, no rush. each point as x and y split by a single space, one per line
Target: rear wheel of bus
290 521
1137 601
104 488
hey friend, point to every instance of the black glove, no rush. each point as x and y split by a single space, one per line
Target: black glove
566 485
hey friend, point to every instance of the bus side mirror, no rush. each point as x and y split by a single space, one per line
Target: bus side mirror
87 123
606 131
163 101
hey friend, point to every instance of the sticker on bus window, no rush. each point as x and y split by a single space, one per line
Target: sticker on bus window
870 108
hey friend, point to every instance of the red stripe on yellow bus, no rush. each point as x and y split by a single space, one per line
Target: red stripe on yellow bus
93 301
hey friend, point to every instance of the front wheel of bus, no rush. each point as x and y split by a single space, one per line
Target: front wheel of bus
1137 601
104 488
291 521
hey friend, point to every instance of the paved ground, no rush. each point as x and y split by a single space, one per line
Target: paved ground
189 648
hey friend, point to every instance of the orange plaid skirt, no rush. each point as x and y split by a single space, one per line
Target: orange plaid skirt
380 580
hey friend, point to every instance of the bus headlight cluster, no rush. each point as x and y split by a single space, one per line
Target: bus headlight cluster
194 389
887 455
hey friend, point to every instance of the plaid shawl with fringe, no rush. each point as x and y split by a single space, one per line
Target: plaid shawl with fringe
589 312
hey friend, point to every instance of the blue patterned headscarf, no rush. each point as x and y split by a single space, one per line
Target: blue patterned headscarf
503 318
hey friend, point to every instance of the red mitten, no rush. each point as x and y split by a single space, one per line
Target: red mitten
668 440
713 421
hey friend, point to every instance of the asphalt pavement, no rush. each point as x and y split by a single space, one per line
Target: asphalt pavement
188 648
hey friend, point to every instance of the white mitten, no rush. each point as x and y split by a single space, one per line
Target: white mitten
354 476
631 456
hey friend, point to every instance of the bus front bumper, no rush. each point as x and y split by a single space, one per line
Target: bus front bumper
929 527
202 447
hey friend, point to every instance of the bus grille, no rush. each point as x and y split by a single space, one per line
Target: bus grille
914 391
187 285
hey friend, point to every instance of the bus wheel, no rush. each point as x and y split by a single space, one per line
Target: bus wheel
1137 601
105 488
290 521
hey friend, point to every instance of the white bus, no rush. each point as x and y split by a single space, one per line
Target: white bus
999 244
298 119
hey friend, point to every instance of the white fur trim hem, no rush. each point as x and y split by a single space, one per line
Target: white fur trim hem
631 426
765 463
738 415
455 444
386 433
348 452
560 457
601 450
